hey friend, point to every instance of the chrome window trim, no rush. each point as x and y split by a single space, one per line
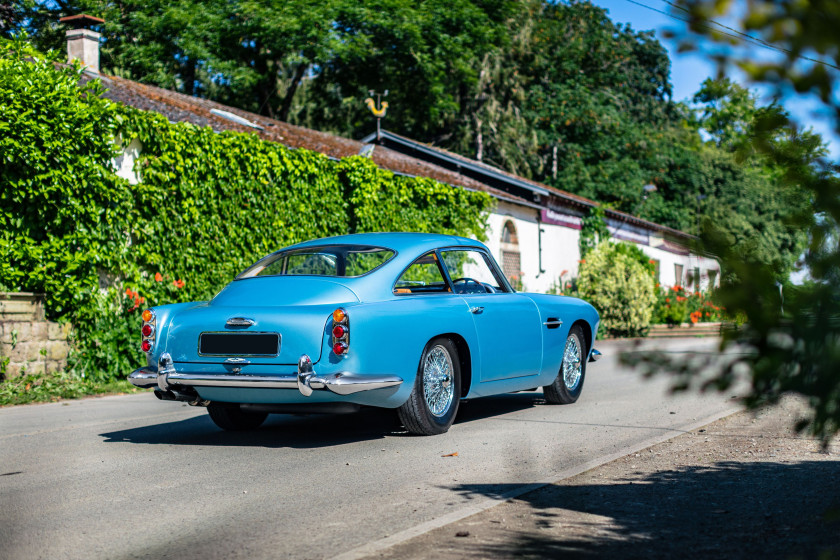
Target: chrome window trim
316 248
240 333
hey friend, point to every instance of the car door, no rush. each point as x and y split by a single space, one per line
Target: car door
507 323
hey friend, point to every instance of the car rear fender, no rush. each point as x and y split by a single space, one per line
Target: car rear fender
388 338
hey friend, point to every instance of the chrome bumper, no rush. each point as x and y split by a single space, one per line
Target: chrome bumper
594 356
306 380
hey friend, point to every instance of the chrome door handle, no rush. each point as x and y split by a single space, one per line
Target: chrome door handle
476 310
553 324
240 322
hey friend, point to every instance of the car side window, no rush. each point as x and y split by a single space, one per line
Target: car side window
470 272
422 277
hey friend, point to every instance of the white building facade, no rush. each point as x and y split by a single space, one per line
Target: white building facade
545 245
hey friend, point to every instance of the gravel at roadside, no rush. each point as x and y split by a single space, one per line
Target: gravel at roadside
745 486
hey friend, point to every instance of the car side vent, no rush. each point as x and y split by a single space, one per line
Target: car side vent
553 323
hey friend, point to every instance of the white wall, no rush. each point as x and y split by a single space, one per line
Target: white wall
561 250
124 163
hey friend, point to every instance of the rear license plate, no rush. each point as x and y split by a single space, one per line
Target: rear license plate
239 344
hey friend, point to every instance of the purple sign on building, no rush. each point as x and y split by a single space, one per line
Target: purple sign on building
548 216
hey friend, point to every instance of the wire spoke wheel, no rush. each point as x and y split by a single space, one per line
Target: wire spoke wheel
438 388
433 403
566 387
571 364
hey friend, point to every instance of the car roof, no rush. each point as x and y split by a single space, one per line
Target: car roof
378 284
399 241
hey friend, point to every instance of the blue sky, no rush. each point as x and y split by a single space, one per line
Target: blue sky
688 70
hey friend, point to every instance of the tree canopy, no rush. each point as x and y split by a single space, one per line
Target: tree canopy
553 91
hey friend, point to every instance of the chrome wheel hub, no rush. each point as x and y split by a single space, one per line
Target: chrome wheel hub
571 364
438 389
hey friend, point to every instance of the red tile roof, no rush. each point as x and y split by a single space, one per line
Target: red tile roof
178 107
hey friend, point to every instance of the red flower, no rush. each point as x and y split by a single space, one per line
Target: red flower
158 277
178 283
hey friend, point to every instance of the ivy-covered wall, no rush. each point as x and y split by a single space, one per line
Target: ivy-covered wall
208 206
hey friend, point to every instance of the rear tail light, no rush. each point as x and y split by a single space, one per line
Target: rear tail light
340 332
148 331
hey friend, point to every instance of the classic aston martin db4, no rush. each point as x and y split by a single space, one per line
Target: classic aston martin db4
410 321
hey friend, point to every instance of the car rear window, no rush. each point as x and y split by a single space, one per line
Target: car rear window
327 260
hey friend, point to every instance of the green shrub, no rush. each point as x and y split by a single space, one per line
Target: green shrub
208 206
620 288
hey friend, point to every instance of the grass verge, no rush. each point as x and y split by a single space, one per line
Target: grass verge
56 387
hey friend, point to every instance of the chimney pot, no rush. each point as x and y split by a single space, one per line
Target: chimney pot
82 43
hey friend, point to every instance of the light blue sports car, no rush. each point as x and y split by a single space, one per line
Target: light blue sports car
410 321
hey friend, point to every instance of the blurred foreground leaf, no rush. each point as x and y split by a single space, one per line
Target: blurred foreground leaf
790 337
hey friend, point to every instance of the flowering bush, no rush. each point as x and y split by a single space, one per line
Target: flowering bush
675 306
620 287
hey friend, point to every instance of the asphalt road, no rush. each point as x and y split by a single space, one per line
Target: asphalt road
133 477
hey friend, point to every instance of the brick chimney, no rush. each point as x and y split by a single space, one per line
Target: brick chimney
83 43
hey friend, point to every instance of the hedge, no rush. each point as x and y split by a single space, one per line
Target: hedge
208 206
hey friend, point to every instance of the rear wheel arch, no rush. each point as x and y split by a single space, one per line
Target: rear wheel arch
464 358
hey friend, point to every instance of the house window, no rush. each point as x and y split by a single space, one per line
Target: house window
511 257
678 275
696 279
712 278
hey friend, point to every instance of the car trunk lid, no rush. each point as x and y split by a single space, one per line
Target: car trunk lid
270 320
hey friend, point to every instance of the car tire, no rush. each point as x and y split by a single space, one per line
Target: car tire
567 386
433 404
231 417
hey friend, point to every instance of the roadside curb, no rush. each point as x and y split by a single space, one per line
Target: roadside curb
374 547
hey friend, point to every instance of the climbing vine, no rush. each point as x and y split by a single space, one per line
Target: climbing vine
593 230
208 205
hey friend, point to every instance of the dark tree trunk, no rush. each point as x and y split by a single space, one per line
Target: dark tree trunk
286 106
5 16
188 77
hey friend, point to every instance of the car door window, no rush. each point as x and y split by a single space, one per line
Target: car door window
422 277
470 272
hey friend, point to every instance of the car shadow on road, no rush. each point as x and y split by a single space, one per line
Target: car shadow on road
279 430
721 510
313 430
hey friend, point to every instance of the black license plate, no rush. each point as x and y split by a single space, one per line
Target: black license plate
239 344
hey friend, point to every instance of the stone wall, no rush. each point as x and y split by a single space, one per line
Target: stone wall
29 343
